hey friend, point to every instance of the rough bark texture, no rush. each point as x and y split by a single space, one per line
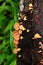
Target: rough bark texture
38 17
28 54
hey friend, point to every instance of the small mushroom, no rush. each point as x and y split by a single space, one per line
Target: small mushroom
30 6
27 30
16 35
36 36
21 37
16 42
20 31
15 51
22 27
41 61
18 49
19 56
25 18
16 26
41 45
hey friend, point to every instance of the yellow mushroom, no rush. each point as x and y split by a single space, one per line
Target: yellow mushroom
22 27
25 18
30 6
36 36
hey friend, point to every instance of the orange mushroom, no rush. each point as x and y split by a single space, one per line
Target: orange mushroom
16 35
16 42
16 26
16 50
20 31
